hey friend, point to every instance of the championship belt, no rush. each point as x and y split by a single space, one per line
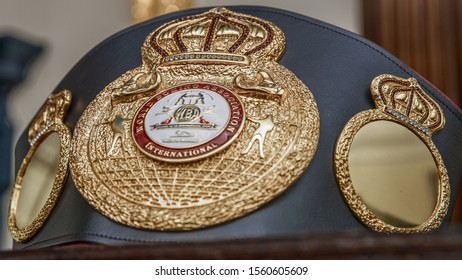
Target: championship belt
229 124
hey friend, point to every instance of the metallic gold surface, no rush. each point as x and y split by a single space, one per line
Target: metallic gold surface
48 121
142 10
401 102
274 146
406 97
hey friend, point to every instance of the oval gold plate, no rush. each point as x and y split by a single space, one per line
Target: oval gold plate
158 150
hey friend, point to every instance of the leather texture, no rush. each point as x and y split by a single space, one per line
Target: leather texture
336 65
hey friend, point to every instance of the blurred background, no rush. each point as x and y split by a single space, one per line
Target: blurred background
425 34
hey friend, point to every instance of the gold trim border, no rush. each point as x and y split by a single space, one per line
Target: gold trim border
355 203
24 234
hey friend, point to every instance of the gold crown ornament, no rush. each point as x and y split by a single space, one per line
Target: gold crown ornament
405 99
209 128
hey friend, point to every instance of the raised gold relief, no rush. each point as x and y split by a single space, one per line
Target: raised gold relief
118 130
264 126
209 128
140 83
388 169
263 83
43 171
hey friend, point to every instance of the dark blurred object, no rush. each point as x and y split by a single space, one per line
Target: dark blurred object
15 57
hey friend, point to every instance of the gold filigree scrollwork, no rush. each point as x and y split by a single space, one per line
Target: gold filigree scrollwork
263 82
48 123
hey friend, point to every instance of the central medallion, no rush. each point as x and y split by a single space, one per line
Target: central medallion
188 122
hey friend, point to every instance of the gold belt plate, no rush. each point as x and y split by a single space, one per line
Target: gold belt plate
208 129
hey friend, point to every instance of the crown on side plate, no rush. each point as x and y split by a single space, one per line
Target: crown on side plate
405 99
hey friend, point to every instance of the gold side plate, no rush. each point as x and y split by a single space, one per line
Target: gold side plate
208 129
381 176
27 215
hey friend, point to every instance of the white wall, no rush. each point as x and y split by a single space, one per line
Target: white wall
344 13
69 29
